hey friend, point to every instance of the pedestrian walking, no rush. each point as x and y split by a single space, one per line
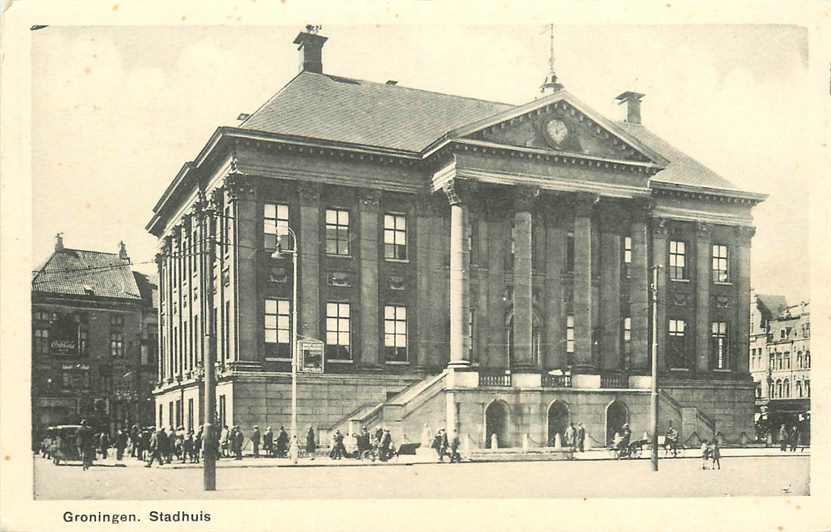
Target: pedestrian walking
294 449
135 440
238 441
225 439
171 444
104 444
197 444
715 451
144 444
157 447
86 444
437 445
454 449
338 450
570 436
783 438
311 446
581 437
268 442
794 438
255 441
120 444
283 442
705 454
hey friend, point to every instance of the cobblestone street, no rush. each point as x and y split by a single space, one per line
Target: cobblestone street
739 476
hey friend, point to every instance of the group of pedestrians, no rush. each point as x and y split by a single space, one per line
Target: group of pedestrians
447 446
791 439
186 446
575 437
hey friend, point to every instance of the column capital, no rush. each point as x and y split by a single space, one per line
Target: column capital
659 227
703 229
167 244
369 198
159 260
584 203
239 186
308 193
642 209
459 192
525 198
744 234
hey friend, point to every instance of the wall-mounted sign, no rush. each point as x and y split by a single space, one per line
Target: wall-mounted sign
64 334
311 355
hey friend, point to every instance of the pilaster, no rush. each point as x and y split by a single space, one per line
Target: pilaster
368 215
639 300
309 270
459 274
659 259
555 236
702 300
497 352
610 261
742 327
583 207
523 356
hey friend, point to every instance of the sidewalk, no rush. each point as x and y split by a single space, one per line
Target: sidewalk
409 460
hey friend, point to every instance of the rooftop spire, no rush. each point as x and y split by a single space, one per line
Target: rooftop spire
551 84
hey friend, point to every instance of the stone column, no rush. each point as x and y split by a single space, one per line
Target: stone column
742 277
523 356
703 268
309 236
480 335
555 236
459 277
610 261
498 238
370 328
639 280
659 258
161 271
247 228
583 204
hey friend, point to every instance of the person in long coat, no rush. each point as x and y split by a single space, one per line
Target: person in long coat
311 445
238 440
282 442
86 444
157 447
783 438
120 444
268 442
255 441
581 437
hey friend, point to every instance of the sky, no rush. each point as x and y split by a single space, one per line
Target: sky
116 111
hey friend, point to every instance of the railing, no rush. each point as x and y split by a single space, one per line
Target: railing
494 379
556 381
614 380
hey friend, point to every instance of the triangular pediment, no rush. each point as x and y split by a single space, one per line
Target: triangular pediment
562 124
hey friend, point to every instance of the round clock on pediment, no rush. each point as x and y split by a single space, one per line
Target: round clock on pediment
556 131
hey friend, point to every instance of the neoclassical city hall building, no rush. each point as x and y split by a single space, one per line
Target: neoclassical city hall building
467 264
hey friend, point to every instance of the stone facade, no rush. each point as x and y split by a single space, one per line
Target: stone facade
514 264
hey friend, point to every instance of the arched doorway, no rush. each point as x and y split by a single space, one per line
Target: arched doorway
557 420
616 415
496 422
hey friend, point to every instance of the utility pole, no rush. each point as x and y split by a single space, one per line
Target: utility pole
208 220
654 395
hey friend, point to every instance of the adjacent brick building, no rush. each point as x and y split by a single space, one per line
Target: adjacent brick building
94 326
780 361
468 264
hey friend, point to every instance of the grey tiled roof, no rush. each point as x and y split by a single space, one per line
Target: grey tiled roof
86 273
332 108
339 109
682 169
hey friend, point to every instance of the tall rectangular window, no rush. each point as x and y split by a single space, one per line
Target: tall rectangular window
274 215
570 251
395 333
277 328
190 414
627 255
337 232
677 259
570 334
677 344
170 416
338 344
627 337
720 263
197 337
226 330
221 413
719 345
83 337
161 414
193 252
41 341
395 236
117 344
226 229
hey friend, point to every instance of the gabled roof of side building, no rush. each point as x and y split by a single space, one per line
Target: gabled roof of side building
77 272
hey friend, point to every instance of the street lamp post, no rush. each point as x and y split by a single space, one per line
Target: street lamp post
207 222
284 230
654 394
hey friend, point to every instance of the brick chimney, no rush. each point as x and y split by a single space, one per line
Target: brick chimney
59 242
122 251
633 105
310 46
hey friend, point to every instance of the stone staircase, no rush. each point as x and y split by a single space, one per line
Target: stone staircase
694 426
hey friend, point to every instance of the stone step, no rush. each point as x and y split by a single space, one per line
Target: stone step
520 455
